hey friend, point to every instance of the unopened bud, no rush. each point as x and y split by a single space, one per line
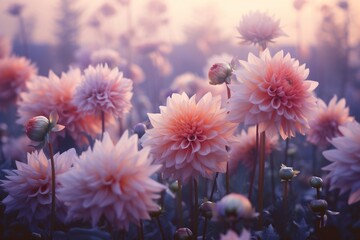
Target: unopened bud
316 182
155 214
287 173
220 73
233 207
140 129
319 206
37 128
174 186
206 209
183 234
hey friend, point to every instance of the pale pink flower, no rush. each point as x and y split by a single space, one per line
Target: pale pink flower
5 47
104 90
112 181
14 73
53 93
344 169
233 207
29 186
327 120
189 138
259 28
274 93
243 148
106 56
108 9
231 235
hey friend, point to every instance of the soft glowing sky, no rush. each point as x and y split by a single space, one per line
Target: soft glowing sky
182 13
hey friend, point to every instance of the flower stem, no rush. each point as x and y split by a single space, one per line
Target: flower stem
196 209
252 177
285 195
314 159
23 35
205 228
318 193
161 228
261 178
179 205
53 185
102 124
213 187
141 231
272 177
286 151
227 176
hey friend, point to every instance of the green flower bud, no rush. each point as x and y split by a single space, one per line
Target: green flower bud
287 173
220 73
319 206
155 214
183 234
37 128
140 129
316 182
174 186
206 209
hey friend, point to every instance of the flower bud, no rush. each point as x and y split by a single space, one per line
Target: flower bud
37 128
316 182
233 207
287 173
140 129
174 186
183 234
220 73
319 206
155 214
206 209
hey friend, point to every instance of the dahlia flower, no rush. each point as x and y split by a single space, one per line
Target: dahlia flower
274 93
327 120
243 148
233 207
103 90
14 73
29 186
112 181
259 28
231 235
344 169
189 138
53 93
106 56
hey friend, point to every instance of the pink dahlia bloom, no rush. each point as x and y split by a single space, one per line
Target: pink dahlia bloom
274 93
112 181
189 138
29 186
53 93
231 235
259 28
327 120
344 171
5 47
14 73
104 90
243 148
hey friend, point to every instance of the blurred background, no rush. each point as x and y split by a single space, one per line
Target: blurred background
168 38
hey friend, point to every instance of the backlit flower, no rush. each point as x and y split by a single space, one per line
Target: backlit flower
53 93
112 181
344 169
259 28
233 207
14 73
327 120
104 90
275 94
189 138
106 56
29 186
243 148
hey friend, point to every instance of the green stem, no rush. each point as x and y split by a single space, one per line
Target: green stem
252 177
196 210
53 190
213 187
261 178
205 228
141 231
161 228
179 205
286 151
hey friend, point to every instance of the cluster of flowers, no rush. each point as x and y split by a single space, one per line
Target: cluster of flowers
189 138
